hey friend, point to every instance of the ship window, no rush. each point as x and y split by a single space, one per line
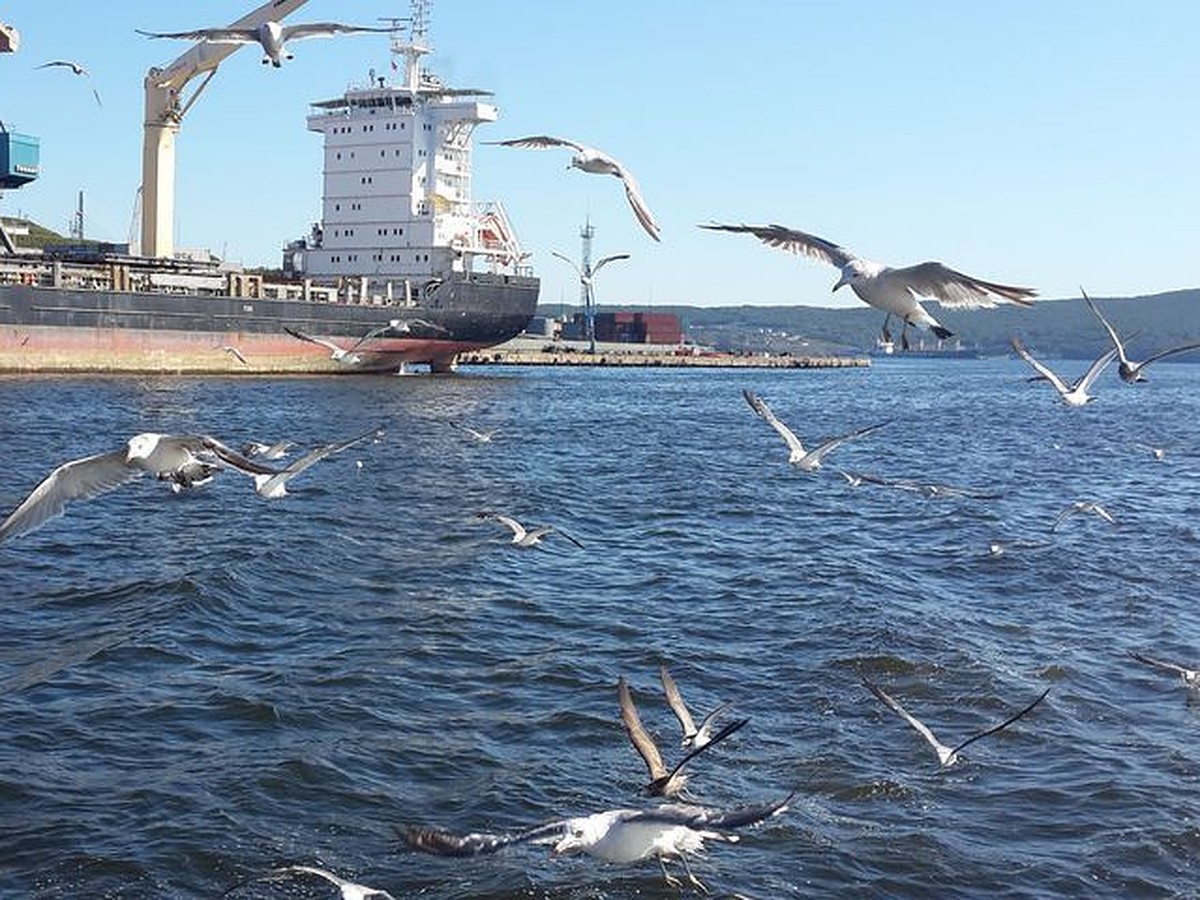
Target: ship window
339 156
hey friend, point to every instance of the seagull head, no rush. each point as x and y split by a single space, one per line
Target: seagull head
853 272
581 833
141 446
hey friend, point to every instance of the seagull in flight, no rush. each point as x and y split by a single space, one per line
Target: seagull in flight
1083 506
348 889
271 36
1159 453
693 737
805 460
483 437
236 353
336 353
522 536
893 290
595 162
273 485
947 756
663 782
1130 371
1190 677
74 67
166 457
623 836
1075 394
277 450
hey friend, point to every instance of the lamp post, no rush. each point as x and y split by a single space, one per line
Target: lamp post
587 272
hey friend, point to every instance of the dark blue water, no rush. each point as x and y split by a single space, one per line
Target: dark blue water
197 688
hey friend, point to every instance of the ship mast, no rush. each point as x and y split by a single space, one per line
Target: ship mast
415 47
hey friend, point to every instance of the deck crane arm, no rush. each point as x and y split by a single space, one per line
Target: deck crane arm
165 109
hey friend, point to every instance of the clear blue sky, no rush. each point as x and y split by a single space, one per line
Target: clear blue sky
1050 144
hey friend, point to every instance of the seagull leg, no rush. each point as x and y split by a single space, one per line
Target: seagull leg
670 879
696 882
904 337
886 333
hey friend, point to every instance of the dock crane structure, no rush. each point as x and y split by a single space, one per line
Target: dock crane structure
165 109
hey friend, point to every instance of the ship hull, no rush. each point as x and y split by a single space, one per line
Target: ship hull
46 329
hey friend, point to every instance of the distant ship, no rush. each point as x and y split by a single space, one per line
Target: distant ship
402 268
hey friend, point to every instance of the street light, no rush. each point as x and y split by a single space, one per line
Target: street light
586 275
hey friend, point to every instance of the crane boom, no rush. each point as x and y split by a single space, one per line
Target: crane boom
165 110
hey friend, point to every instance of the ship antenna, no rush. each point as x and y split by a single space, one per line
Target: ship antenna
416 44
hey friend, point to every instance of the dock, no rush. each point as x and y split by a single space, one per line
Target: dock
526 352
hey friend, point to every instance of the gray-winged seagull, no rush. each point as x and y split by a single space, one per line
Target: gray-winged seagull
273 485
1083 506
522 536
893 290
165 456
947 756
349 890
271 36
1130 371
805 460
663 782
1074 394
336 353
693 736
667 832
75 68
596 162
1190 677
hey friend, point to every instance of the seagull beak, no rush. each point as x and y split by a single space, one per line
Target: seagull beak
841 282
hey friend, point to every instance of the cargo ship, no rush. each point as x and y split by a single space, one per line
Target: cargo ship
403 268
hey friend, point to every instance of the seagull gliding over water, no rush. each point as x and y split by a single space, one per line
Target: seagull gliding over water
596 162
947 756
693 737
805 460
1083 506
1190 677
522 536
348 889
1131 372
1077 393
893 290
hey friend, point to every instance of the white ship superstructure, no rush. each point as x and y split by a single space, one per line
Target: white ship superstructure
397 206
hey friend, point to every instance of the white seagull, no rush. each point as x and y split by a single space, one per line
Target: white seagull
1190 677
596 162
805 460
1083 506
1159 453
336 353
483 437
663 782
947 756
277 450
893 290
667 832
273 485
693 737
522 536
272 36
1075 394
74 67
167 457
1130 371
348 889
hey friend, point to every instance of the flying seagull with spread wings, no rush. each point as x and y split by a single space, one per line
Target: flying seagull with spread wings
349 890
1130 371
176 458
1082 506
693 737
947 756
623 836
663 782
271 36
596 162
1190 677
522 536
273 485
336 353
1075 394
76 68
805 460
896 291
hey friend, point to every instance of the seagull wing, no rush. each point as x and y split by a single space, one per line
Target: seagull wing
661 784
540 141
820 452
1028 709
73 66
304 30
443 843
319 453
675 701
1112 332
638 736
80 479
940 748
707 817
228 455
764 412
1184 348
221 35
1059 384
519 531
603 261
1094 370
637 203
1161 664
956 290
794 241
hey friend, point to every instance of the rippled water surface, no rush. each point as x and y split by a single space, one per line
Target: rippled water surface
197 688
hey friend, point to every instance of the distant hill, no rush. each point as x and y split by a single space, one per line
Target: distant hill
1058 328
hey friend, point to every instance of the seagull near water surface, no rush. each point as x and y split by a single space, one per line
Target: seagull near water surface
947 756
336 353
271 36
623 836
349 890
1190 677
272 485
596 162
1130 371
175 458
893 290
1083 506
1075 394
522 536
805 460
663 782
